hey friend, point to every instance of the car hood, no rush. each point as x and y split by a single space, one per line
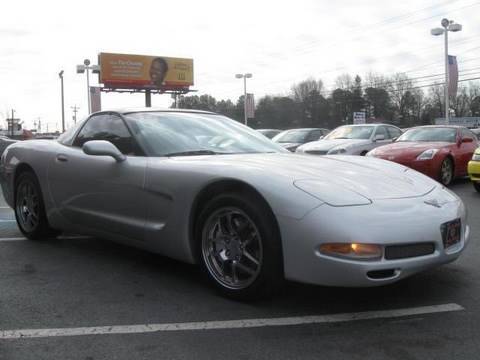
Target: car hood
370 178
409 147
327 144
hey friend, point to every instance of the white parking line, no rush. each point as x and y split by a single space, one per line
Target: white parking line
72 237
13 239
8 220
228 324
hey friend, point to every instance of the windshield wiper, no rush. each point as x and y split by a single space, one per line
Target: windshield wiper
193 153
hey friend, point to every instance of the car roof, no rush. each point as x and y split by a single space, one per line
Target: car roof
306 129
439 126
131 110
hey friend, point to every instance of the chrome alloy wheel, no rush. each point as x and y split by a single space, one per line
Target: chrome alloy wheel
232 248
27 207
446 171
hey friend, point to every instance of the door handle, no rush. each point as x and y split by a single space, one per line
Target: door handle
62 157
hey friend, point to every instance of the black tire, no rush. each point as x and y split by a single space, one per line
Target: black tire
476 185
446 172
363 153
31 218
248 215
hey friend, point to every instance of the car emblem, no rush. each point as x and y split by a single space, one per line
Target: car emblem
433 202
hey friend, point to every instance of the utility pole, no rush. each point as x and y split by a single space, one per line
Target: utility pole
11 122
75 110
60 74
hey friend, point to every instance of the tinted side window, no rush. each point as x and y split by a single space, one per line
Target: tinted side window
314 135
381 131
106 127
394 132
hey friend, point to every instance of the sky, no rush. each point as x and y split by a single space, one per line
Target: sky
280 42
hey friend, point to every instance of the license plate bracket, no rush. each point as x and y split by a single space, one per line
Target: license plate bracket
451 233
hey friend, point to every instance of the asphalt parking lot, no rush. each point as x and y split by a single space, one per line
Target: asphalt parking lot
86 298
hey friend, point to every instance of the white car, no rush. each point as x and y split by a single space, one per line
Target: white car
352 140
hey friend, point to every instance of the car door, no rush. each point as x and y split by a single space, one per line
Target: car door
97 194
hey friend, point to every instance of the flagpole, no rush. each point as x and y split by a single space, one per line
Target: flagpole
447 82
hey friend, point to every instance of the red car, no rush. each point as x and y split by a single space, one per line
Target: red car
441 152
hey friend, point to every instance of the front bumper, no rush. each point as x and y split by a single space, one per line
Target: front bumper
385 222
474 170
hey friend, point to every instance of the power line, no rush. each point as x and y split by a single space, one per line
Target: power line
305 50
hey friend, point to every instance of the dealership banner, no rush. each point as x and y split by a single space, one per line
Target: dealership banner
95 99
250 106
452 76
126 71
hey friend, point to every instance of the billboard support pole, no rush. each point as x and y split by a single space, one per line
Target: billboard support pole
148 98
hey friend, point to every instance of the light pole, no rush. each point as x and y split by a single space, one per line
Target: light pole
245 77
85 68
60 74
448 25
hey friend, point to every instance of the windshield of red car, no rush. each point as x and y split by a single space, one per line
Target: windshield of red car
440 134
182 133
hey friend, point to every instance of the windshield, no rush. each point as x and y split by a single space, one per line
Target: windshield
442 134
351 132
176 134
269 133
292 136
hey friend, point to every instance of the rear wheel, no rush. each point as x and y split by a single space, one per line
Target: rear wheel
240 248
446 171
476 185
30 210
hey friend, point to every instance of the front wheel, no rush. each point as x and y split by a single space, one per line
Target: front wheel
30 210
240 247
446 171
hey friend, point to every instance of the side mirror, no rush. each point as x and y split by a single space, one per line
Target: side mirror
379 137
467 140
103 148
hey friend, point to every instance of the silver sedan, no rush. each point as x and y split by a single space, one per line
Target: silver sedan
352 140
201 188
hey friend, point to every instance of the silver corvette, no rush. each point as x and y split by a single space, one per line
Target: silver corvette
201 188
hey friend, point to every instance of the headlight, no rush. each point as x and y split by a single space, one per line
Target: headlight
352 251
476 157
427 154
336 151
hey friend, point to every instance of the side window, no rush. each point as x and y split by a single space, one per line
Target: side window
106 127
314 135
467 134
394 132
381 131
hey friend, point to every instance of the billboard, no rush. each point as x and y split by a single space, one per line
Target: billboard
125 71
